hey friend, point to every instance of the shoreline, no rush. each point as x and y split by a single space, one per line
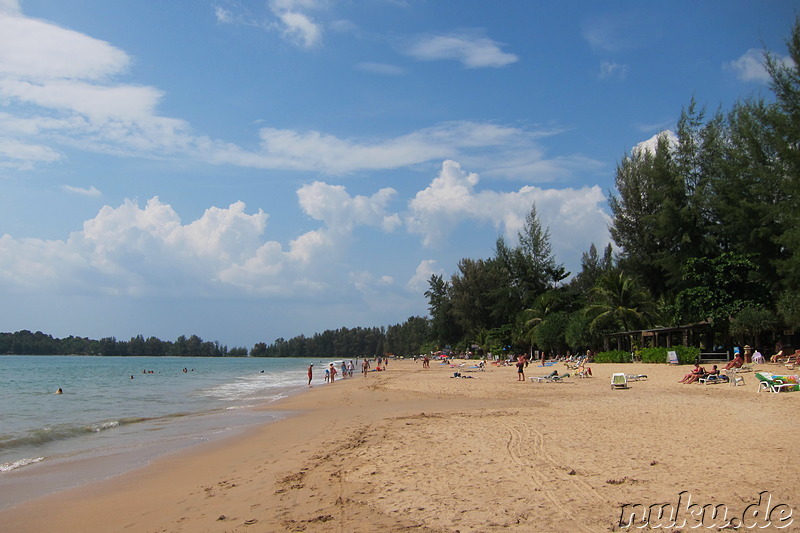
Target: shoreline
100 455
413 448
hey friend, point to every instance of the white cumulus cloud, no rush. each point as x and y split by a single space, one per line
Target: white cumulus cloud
651 144
574 216
750 66
419 281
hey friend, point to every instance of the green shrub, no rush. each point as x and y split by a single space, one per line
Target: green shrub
687 355
613 356
655 355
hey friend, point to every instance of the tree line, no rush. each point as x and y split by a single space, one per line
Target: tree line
410 337
26 343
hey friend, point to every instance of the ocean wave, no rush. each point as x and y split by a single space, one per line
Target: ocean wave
37 437
13 465
258 387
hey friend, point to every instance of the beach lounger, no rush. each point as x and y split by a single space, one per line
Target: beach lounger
619 381
551 378
768 381
635 377
712 379
545 379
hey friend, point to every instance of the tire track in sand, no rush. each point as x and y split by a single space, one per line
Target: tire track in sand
526 448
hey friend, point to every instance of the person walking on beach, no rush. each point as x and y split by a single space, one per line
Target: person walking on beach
310 368
520 368
333 372
364 367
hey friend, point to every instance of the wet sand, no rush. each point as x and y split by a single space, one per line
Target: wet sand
415 449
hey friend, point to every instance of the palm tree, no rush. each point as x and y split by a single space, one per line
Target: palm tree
619 302
545 304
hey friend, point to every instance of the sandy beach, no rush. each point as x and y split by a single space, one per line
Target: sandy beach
418 450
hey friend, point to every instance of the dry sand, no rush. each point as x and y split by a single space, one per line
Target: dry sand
417 450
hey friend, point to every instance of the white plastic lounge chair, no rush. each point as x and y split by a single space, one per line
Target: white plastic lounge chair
711 379
619 381
772 383
734 378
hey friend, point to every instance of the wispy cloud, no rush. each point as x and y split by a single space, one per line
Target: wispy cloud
292 19
609 70
469 48
299 28
83 191
657 126
54 103
618 32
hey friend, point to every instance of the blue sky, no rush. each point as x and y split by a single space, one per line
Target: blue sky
248 170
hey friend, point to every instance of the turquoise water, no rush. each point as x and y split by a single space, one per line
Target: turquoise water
116 413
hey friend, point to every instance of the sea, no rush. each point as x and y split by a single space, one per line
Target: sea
115 414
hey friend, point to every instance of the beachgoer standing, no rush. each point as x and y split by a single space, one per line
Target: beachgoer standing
333 372
520 369
364 367
310 374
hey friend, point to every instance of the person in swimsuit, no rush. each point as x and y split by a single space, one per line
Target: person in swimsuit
696 373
